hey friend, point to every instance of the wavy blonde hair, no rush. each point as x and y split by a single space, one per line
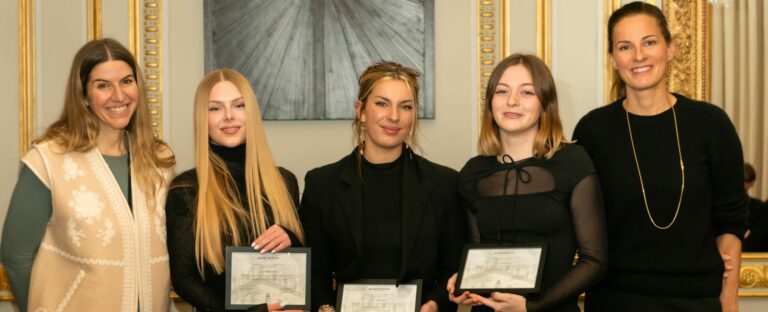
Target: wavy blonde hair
78 127
219 210
550 136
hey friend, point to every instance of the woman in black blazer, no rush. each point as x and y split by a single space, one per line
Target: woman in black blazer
384 212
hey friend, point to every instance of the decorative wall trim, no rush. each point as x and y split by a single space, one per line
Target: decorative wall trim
145 42
544 31
609 73
753 275
94 20
689 23
26 75
490 46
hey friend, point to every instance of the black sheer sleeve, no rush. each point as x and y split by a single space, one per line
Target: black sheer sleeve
589 226
292 184
186 279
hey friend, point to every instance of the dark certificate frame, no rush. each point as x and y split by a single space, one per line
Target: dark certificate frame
494 258
383 282
256 257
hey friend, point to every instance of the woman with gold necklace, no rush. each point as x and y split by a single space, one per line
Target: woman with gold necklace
671 170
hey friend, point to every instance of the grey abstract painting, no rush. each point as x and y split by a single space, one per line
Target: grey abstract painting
303 57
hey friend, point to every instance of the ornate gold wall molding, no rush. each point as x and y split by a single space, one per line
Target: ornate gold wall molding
145 42
689 21
544 31
26 75
489 43
753 275
94 20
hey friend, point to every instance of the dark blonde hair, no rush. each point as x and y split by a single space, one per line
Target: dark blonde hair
78 127
550 137
619 87
368 80
219 210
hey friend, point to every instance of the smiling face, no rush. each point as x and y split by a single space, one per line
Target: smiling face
515 106
388 113
112 94
640 52
226 115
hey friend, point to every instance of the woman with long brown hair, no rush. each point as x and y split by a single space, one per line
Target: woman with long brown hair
85 230
235 196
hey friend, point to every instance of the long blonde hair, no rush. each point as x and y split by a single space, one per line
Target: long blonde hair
550 136
77 128
219 211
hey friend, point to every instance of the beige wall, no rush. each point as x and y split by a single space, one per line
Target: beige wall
302 145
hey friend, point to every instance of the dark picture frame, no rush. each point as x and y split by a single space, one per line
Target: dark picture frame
501 260
303 57
259 265
340 290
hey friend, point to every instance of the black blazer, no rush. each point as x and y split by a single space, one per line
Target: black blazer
434 226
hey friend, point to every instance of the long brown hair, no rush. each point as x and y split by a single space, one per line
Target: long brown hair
549 137
77 128
386 70
219 211
619 87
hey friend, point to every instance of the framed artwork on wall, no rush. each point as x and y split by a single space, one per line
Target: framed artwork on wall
303 57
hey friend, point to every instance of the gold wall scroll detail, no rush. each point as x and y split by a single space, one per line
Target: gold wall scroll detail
26 75
145 42
689 24
489 43
94 20
753 275
544 31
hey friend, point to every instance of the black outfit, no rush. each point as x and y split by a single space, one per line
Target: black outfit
208 294
757 225
554 201
396 221
653 269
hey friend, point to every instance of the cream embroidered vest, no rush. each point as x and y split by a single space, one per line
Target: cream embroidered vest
97 253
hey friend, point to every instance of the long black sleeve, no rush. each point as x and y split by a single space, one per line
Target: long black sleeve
186 279
589 227
311 219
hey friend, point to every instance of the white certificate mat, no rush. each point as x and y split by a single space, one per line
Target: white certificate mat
379 295
254 278
507 268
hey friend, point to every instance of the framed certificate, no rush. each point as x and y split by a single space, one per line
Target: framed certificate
254 278
379 295
512 268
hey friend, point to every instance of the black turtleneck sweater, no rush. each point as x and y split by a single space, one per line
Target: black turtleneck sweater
207 294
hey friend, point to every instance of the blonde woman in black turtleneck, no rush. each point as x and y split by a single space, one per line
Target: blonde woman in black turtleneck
244 194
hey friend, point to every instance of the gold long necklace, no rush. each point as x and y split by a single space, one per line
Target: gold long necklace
642 185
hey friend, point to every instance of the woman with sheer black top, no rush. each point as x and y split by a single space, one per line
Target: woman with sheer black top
529 186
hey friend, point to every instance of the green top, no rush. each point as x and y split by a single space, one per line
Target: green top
28 214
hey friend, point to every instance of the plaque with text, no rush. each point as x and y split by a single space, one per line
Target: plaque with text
379 295
254 278
511 268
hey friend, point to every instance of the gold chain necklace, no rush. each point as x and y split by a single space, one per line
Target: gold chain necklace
642 185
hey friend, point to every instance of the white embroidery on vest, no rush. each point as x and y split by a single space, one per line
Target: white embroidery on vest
81 260
157 260
75 234
71 291
86 204
71 170
107 233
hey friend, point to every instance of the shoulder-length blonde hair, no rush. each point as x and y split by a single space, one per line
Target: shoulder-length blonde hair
220 213
550 137
78 127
